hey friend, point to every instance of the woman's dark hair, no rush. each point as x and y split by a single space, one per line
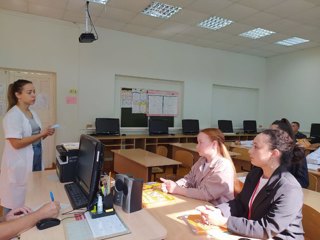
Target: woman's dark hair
284 125
14 88
291 152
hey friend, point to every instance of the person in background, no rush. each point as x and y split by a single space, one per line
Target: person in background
212 177
21 219
270 204
295 128
22 151
300 169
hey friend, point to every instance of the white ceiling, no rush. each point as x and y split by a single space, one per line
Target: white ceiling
288 18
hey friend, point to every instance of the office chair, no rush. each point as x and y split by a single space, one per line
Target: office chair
313 182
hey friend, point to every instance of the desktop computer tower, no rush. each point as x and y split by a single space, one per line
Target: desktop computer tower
132 194
66 164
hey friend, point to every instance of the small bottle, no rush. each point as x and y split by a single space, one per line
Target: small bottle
99 205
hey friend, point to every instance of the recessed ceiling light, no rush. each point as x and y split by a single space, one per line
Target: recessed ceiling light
99 1
160 10
292 41
215 23
256 33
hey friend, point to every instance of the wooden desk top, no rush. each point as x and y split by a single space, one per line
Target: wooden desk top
192 147
141 224
145 158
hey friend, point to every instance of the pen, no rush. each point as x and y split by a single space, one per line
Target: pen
51 196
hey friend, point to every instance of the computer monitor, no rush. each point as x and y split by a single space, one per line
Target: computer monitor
190 126
315 130
225 126
90 161
158 127
107 126
249 126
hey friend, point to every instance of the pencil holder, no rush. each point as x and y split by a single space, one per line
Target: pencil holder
107 207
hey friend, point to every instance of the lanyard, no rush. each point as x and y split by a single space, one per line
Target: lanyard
252 198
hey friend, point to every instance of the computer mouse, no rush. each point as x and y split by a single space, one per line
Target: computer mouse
47 223
123 134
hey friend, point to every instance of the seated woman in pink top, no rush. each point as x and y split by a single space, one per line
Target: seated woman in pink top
212 177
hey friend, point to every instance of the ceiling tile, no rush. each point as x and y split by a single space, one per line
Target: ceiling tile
209 6
177 3
235 28
50 3
136 29
130 5
236 12
290 7
45 11
189 17
259 19
118 14
260 4
147 21
15 5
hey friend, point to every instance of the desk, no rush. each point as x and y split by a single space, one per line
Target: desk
139 162
191 147
141 224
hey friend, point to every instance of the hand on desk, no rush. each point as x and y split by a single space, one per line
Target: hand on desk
17 213
169 186
212 215
50 209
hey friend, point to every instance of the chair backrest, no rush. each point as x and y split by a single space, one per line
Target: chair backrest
185 157
162 150
313 182
310 222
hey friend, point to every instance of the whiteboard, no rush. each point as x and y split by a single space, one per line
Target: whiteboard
234 103
122 81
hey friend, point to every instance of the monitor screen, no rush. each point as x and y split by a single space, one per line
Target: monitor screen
225 126
315 130
158 127
107 126
190 126
249 126
169 120
90 160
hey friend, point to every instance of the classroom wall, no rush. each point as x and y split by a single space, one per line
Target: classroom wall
37 43
292 88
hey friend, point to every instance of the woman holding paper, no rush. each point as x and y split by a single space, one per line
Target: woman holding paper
270 204
212 177
22 150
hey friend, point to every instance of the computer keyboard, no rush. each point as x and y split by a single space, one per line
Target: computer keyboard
76 196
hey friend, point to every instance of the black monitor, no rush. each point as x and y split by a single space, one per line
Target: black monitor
225 126
158 127
190 126
249 126
107 126
315 130
90 161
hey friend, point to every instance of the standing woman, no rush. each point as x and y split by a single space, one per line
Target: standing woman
22 150
270 204
212 177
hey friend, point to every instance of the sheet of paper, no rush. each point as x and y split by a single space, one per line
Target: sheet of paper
109 226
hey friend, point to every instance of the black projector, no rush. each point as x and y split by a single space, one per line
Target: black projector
87 38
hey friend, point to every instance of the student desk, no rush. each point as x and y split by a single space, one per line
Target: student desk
139 162
141 224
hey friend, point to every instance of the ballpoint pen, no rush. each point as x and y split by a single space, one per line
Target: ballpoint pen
52 196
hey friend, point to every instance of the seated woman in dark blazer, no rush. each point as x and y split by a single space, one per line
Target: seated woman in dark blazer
270 204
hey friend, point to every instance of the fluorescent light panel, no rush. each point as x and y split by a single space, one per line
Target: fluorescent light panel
215 23
292 41
99 1
160 10
256 33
